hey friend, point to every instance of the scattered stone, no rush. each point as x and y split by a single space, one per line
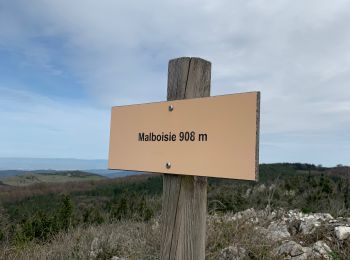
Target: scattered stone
232 252
277 231
292 250
248 214
323 216
309 226
321 250
342 232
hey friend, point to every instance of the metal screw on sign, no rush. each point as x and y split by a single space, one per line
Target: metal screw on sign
168 165
171 108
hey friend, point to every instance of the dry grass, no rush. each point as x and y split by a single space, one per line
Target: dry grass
140 240
132 240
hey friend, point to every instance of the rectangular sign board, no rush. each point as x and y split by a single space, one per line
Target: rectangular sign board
213 136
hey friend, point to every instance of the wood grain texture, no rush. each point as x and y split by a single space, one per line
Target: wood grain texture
185 197
257 137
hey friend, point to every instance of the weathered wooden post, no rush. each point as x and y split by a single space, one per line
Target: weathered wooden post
185 197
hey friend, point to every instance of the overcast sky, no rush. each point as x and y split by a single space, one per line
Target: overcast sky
63 64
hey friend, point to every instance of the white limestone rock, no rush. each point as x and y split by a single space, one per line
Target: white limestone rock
116 258
342 232
321 250
293 250
277 231
309 226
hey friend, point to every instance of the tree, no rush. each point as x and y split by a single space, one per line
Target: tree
66 212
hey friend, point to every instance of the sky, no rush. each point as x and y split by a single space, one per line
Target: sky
64 64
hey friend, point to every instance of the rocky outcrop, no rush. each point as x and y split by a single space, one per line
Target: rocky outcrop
305 223
295 251
290 233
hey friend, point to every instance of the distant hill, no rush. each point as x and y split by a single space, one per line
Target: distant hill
20 166
340 171
27 178
8 173
30 164
102 172
114 173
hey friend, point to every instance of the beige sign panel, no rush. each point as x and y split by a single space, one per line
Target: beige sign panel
214 136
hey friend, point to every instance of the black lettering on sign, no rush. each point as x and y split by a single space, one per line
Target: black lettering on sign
141 136
202 137
183 136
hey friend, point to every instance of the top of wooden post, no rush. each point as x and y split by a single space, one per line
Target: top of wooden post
188 77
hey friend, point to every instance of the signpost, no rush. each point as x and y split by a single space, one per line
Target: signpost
212 136
188 140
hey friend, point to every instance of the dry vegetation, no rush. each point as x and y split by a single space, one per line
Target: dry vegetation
134 240
139 240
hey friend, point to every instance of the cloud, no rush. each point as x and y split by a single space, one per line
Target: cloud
296 53
37 126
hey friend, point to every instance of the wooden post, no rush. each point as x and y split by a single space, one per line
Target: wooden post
184 209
